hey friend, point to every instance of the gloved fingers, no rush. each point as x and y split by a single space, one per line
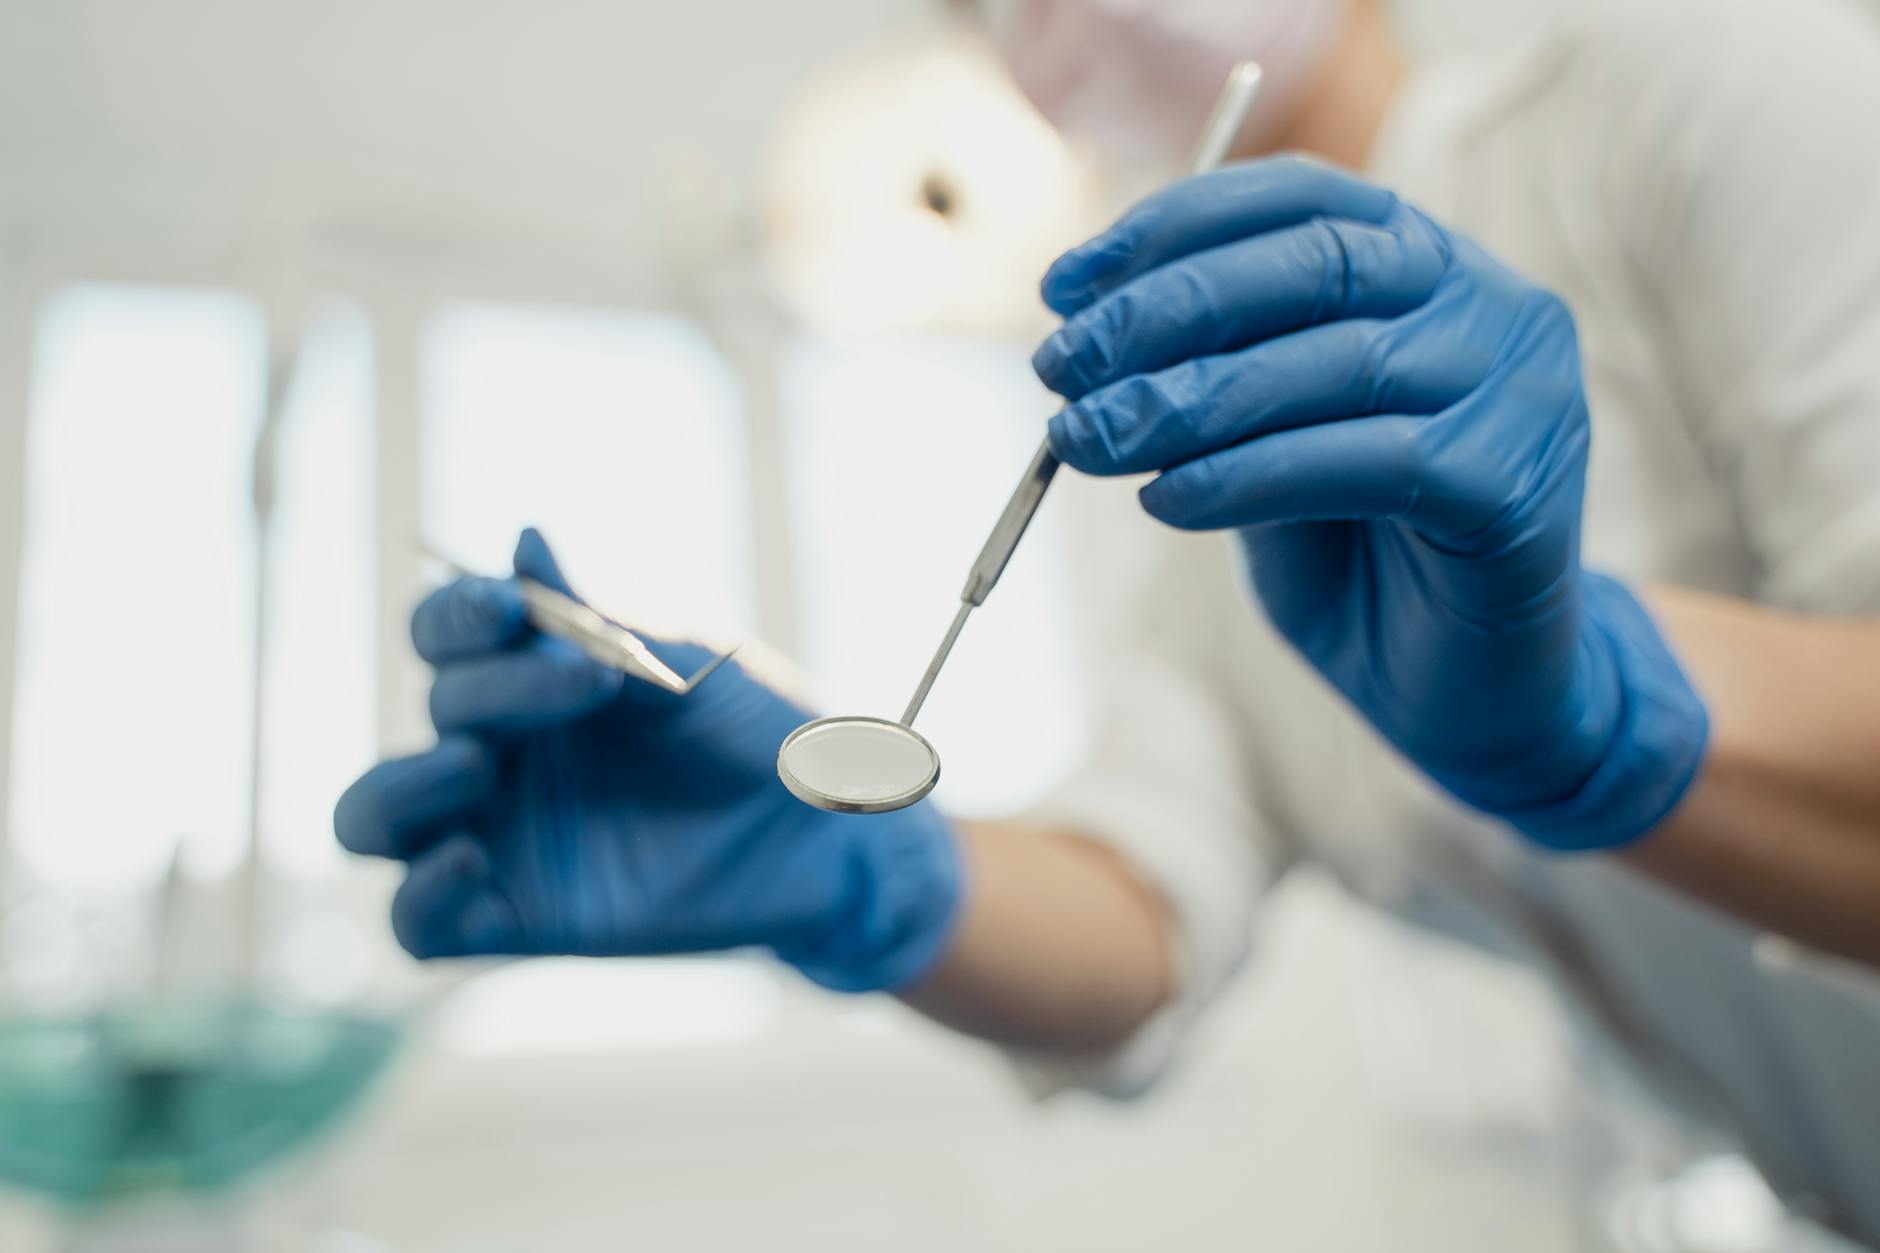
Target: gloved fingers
1344 370
450 905
1374 468
534 560
1200 213
395 808
1242 293
468 617
547 682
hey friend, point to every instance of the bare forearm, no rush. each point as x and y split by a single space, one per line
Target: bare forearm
1782 827
1060 947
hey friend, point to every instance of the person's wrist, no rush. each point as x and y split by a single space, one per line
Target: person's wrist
903 886
1636 739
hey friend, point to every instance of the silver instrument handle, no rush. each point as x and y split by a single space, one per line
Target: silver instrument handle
1010 528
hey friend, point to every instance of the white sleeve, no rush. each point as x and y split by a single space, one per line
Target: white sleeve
1167 786
1750 180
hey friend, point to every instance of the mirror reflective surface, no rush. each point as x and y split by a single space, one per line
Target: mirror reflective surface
858 765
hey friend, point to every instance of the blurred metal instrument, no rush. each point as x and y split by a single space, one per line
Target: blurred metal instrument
1223 127
594 633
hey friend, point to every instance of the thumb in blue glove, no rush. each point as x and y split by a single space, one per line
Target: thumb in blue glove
570 809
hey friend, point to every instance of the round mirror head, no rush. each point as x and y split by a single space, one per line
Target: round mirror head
857 765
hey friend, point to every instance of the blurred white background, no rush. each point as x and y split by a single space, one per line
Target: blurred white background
568 263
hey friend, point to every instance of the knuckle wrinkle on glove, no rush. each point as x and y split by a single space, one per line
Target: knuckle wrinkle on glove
1335 275
1089 343
1135 413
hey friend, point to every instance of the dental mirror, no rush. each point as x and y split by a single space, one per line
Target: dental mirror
858 765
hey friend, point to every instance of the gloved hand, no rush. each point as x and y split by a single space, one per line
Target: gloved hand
1394 424
570 809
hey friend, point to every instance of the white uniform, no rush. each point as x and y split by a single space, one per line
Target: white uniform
1701 183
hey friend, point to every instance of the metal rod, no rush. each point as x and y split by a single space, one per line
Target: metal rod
1229 118
1010 528
1218 136
933 667
249 881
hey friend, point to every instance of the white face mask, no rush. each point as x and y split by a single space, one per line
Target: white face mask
1140 75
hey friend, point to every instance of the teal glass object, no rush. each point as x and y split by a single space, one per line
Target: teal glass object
183 1099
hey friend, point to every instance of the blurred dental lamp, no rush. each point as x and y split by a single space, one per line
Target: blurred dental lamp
910 186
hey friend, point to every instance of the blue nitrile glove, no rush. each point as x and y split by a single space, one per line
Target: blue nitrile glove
1395 425
570 809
